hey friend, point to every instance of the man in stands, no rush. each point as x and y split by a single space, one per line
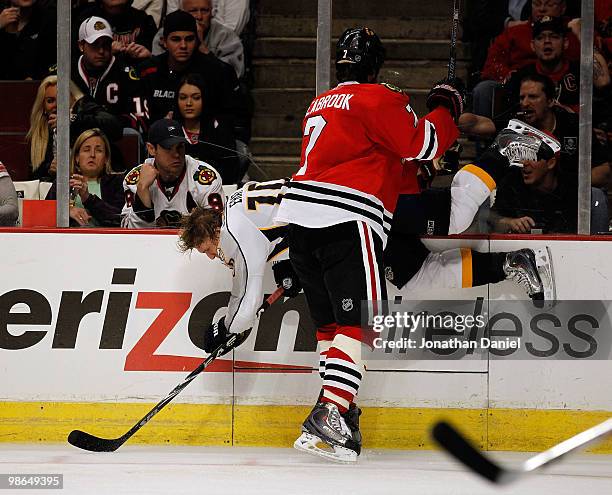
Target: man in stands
537 101
214 37
105 77
161 75
512 50
536 195
169 184
133 29
549 45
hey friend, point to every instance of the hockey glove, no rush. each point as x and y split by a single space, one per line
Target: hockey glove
217 334
285 277
449 94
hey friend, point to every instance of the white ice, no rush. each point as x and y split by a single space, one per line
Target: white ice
235 470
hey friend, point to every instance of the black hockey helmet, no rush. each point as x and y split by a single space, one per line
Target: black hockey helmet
361 48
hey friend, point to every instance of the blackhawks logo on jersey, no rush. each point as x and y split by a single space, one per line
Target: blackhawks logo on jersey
204 175
131 179
392 87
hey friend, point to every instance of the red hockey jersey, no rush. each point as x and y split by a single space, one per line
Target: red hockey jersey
355 137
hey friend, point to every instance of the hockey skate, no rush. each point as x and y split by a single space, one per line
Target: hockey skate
326 434
532 270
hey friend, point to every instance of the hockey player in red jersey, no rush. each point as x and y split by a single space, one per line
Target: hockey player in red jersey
359 140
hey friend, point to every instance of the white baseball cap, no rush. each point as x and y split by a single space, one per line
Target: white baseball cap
93 28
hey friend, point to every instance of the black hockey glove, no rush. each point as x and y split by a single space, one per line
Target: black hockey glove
217 334
285 277
169 218
449 94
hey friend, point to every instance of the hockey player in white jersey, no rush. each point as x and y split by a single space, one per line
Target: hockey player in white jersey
245 238
169 184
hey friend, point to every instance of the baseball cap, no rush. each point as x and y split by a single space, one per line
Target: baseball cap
166 133
179 20
93 28
547 23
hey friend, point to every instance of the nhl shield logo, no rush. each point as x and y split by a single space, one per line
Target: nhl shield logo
347 304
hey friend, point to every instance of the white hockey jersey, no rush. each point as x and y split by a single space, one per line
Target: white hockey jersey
194 187
249 239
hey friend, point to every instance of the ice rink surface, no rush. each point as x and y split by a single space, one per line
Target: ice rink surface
235 470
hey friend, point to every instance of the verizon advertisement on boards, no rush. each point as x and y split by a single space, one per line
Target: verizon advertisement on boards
120 316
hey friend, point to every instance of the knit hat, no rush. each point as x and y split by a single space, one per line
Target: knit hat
179 20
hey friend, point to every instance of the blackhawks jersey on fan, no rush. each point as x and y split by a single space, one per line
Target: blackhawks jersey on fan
194 188
249 238
355 137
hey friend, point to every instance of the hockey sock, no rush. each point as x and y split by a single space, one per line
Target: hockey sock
343 368
325 335
471 186
487 268
450 269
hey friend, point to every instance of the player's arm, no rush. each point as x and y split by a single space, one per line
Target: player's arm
137 213
249 270
397 126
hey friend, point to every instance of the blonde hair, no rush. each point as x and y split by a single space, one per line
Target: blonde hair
38 134
85 135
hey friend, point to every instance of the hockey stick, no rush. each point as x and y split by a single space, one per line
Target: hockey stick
86 441
452 59
457 445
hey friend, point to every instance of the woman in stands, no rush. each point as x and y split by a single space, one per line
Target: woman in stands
96 189
85 114
211 137
43 121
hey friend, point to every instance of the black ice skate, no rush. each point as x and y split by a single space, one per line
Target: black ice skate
326 434
532 270
351 418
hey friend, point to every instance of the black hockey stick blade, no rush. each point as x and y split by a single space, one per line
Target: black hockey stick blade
454 443
87 441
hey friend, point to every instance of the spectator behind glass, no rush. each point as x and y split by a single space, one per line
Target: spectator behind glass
213 36
210 138
96 190
161 75
85 114
9 211
27 40
535 196
40 136
537 101
512 50
133 29
105 77
549 45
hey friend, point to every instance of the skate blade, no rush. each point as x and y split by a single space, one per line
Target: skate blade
544 265
310 444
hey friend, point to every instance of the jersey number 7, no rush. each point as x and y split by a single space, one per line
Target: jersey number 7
313 128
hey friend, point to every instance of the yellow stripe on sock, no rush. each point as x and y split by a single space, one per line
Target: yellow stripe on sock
466 268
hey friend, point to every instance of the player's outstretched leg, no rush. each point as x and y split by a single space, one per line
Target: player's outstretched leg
532 269
326 434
